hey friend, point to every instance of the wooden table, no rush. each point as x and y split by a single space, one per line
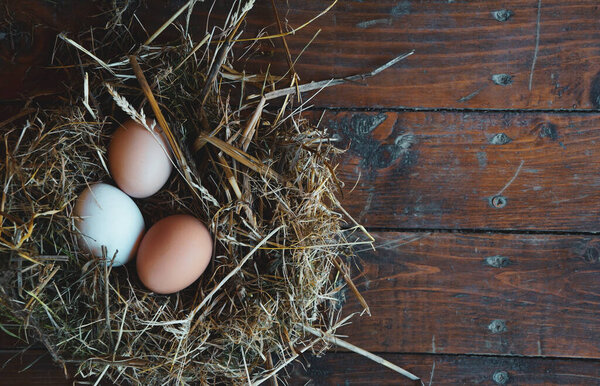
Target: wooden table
478 167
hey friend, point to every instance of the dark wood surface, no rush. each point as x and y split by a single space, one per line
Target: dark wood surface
34 368
447 370
461 53
480 187
483 294
459 48
543 165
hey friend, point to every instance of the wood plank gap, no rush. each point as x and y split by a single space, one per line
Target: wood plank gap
402 109
483 231
426 354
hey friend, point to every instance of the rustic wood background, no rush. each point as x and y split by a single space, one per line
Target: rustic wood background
478 172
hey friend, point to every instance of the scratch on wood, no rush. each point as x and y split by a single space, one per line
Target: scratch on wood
401 9
537 43
433 344
512 179
432 371
578 375
470 96
556 201
369 23
367 207
394 244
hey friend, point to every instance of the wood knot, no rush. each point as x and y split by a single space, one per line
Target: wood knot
591 255
359 128
548 130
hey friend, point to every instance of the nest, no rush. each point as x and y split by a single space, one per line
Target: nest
261 177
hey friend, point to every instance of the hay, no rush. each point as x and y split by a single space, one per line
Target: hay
262 178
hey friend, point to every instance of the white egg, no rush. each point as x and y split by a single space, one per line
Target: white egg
107 216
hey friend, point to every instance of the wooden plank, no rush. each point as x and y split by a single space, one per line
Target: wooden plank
350 369
465 170
452 293
460 47
449 293
464 56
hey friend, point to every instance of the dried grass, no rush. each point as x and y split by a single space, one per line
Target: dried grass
266 186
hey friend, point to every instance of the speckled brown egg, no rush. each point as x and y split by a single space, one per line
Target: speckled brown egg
173 254
139 159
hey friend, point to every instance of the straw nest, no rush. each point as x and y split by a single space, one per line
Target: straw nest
262 178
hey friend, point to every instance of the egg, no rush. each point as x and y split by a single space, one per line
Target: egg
139 159
107 216
173 254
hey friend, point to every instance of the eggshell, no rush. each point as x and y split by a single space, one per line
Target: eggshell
138 159
107 216
173 254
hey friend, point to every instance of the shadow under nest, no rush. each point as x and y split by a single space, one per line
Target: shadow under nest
261 177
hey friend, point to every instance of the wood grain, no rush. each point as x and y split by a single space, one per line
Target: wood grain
448 293
462 52
469 302
452 293
442 170
464 57
349 369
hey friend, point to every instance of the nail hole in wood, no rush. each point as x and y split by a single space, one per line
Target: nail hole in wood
500 139
497 261
497 326
500 377
498 201
502 79
502 14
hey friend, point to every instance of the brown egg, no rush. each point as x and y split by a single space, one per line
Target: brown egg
173 254
138 159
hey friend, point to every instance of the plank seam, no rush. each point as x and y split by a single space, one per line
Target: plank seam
382 353
451 110
483 231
